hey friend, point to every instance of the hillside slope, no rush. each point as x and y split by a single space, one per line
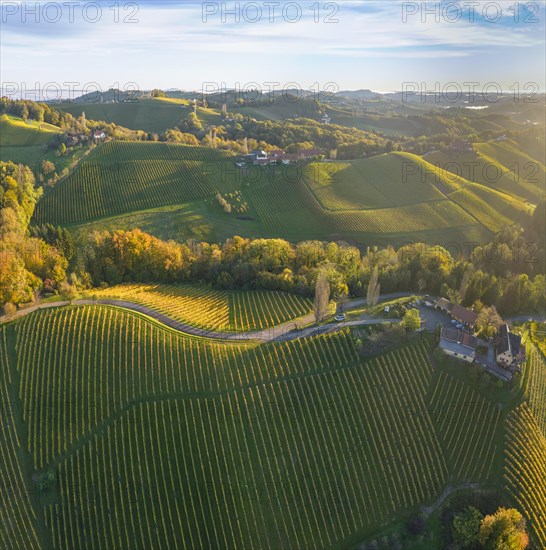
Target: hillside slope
498 165
150 115
299 444
15 132
122 177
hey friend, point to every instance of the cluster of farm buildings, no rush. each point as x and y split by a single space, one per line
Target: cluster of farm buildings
264 158
74 138
457 339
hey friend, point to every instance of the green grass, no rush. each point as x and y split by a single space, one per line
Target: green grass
208 117
121 177
491 208
167 189
27 144
377 182
158 439
150 115
15 132
214 309
500 166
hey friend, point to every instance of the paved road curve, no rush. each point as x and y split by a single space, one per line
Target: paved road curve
280 333
288 331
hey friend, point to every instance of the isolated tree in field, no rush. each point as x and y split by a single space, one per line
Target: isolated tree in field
411 320
373 288
62 149
466 527
503 530
322 297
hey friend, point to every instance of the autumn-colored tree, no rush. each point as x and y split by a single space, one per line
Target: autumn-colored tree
503 530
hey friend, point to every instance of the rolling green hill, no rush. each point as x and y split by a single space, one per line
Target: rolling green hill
499 165
122 177
150 115
15 132
387 198
27 144
401 190
116 422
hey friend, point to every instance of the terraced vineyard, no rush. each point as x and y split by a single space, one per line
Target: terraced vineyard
468 438
535 386
156 439
401 192
491 208
525 469
521 177
181 438
17 515
127 176
214 309
387 196
419 217
388 180
288 203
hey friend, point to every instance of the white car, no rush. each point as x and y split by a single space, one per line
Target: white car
340 317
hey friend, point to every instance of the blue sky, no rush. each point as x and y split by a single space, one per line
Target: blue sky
366 43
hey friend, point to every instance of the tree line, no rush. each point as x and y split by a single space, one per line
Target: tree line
507 273
509 283
28 263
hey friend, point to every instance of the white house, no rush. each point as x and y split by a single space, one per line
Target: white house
458 343
99 134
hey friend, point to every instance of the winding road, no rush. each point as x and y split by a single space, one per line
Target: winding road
291 330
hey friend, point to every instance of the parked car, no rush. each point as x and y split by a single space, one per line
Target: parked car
340 317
